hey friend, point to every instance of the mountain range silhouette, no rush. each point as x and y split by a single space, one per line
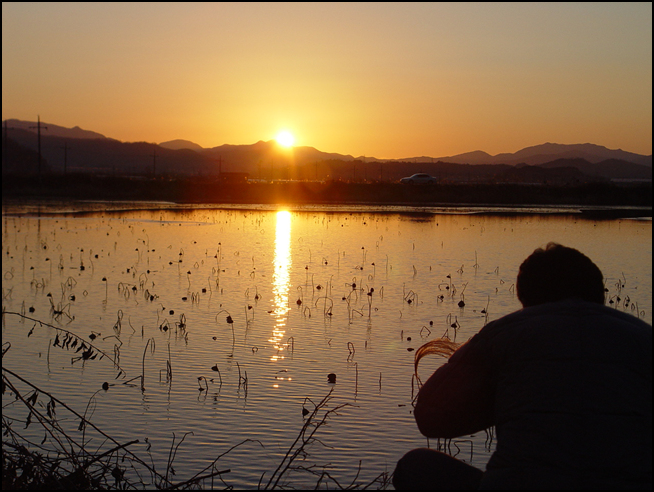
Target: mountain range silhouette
89 151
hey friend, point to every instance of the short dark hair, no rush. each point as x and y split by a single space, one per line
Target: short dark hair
556 273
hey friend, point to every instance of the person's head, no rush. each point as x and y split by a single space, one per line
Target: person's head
556 273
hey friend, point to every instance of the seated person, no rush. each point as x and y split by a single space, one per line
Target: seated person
566 381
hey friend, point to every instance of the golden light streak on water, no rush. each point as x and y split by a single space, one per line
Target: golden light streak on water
281 281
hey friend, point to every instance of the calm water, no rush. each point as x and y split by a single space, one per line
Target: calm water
310 292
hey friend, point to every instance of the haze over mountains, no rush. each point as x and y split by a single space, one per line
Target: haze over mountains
89 151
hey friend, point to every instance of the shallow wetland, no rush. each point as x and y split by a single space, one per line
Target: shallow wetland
216 325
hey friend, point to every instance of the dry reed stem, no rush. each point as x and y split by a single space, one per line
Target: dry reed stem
440 346
305 437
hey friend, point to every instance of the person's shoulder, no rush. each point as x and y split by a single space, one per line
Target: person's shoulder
516 317
602 312
570 309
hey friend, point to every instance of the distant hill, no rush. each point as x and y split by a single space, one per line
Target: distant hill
112 157
180 144
266 159
591 152
89 151
540 174
52 130
19 160
610 168
547 152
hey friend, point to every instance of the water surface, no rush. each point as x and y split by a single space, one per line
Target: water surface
311 291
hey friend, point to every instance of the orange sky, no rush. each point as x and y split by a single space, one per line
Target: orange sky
383 80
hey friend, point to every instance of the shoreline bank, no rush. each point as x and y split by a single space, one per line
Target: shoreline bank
593 200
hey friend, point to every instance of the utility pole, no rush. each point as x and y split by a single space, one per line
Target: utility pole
220 167
38 132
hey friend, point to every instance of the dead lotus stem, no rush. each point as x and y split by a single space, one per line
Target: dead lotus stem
143 361
229 317
327 311
169 366
350 348
370 292
206 384
119 323
220 377
411 297
242 380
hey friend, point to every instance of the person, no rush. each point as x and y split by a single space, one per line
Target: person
566 381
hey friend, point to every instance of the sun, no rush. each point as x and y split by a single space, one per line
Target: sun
285 138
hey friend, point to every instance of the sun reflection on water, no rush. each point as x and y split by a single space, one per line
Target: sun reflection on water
281 281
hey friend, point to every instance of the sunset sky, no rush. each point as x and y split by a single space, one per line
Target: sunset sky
370 79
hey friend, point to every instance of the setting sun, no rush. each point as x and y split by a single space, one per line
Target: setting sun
285 139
